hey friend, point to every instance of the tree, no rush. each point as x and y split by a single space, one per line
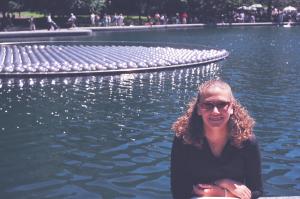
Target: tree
7 6
176 6
64 7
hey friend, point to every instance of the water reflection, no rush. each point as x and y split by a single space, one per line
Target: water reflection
124 80
99 136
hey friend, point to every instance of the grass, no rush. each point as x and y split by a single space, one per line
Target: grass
28 14
137 17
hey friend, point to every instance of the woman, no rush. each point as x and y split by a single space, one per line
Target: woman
214 151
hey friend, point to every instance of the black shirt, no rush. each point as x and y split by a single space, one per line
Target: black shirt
191 166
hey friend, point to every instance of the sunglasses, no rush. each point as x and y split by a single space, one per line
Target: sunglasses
209 106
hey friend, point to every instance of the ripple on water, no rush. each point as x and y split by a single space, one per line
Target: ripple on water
294 173
155 185
37 185
152 169
100 167
128 180
71 191
123 163
142 159
281 180
293 153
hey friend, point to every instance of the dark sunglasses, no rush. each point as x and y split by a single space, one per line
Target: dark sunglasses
221 105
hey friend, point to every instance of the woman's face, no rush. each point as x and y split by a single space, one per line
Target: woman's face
215 107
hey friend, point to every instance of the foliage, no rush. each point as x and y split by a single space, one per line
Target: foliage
14 6
207 10
63 7
284 3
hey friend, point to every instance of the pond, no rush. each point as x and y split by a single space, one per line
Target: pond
110 137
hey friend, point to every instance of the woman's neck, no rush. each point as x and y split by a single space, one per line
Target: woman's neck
216 134
217 140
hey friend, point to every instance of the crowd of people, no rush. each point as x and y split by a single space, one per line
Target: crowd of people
163 19
7 20
280 16
277 15
107 20
240 15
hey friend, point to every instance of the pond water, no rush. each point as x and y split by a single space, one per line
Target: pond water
110 137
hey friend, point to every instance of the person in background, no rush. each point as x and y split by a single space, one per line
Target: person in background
97 19
51 24
120 20
72 20
157 18
177 18
106 20
115 19
149 20
92 19
184 17
215 152
31 23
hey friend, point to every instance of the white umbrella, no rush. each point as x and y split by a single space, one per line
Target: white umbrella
243 8
289 9
257 5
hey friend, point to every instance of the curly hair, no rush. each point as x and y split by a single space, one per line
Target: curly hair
190 125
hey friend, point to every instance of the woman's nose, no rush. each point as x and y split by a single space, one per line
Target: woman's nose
215 110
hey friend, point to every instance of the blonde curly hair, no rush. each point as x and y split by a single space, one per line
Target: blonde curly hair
190 125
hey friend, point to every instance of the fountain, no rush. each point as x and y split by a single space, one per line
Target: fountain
86 58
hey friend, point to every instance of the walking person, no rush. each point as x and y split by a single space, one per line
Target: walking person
72 20
51 24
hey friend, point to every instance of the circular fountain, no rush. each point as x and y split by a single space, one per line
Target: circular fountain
78 58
